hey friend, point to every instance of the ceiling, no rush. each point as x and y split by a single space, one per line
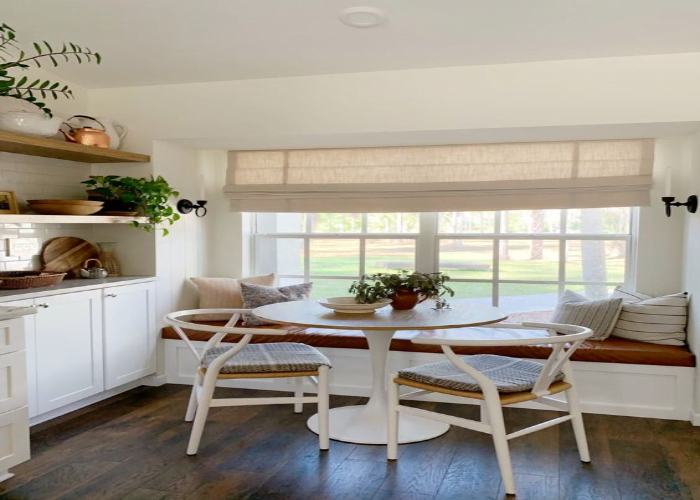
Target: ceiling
152 42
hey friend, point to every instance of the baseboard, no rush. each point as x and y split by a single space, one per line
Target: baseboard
695 419
154 380
45 417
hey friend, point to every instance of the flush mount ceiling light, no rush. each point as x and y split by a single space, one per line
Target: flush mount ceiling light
363 17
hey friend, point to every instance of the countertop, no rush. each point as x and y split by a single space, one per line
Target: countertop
72 285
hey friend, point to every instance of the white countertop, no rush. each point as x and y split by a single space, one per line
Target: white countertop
72 285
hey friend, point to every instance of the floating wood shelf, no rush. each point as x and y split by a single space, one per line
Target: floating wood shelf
67 219
48 148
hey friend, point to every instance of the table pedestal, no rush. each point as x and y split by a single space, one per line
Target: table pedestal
367 424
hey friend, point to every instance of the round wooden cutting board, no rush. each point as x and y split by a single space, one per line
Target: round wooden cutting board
67 255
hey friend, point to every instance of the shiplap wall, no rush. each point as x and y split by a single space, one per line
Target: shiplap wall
32 177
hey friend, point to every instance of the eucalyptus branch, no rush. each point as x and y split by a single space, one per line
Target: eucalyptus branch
18 88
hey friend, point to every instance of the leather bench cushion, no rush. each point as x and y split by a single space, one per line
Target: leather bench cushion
611 350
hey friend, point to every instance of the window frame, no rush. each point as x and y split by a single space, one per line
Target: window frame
427 249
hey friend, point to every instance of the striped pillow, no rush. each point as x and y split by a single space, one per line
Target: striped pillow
657 320
598 315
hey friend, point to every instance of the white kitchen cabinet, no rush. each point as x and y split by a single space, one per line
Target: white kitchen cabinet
14 440
29 327
68 348
129 333
14 417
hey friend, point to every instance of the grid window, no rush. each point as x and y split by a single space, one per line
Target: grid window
520 260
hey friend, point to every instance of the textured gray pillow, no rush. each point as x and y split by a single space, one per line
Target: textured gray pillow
598 315
259 295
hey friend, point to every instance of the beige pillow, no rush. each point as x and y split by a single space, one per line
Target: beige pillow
224 293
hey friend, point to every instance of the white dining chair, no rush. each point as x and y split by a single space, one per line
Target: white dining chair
243 360
497 381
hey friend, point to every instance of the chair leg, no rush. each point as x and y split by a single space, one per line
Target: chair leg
484 413
192 405
392 447
323 404
202 411
500 441
299 393
577 424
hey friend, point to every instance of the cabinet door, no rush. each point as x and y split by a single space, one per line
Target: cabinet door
68 348
13 381
29 328
129 333
14 438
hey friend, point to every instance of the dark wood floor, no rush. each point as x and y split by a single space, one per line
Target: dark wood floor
132 448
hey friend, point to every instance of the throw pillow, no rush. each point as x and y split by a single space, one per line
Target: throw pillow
258 295
224 293
598 315
657 320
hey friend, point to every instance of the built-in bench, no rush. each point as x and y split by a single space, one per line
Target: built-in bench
615 376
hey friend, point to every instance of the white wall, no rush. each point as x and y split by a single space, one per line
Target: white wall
426 103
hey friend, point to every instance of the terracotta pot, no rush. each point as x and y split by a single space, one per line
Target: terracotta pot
403 299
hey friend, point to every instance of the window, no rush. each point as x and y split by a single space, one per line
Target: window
520 260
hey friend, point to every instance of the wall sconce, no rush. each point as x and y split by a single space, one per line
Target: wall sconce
691 204
186 206
670 201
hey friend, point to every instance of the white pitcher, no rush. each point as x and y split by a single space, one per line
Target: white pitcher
115 131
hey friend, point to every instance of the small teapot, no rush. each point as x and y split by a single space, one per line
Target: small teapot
87 136
96 273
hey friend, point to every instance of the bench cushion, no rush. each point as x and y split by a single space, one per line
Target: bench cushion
507 374
611 350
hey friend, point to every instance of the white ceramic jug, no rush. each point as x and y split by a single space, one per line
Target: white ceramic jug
115 131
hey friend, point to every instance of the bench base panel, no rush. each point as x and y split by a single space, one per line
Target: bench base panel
605 388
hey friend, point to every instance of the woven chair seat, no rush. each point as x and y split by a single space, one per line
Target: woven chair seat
269 358
508 374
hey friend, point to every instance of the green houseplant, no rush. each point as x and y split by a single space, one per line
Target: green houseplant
149 195
405 289
13 58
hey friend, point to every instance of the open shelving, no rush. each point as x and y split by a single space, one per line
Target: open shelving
49 148
67 219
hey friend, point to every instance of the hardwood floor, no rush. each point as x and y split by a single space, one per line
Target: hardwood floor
133 448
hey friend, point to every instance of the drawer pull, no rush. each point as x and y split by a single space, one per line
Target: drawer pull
111 295
43 306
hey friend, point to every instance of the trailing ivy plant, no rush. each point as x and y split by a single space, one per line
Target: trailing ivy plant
150 195
12 57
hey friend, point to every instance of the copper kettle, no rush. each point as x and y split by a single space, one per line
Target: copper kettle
87 136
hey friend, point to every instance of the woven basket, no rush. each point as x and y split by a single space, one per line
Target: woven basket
12 280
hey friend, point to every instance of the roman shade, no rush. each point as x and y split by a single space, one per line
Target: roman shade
569 174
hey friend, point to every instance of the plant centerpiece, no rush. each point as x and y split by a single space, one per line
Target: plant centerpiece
12 58
149 196
405 289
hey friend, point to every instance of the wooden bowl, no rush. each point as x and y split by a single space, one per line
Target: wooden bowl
64 209
88 203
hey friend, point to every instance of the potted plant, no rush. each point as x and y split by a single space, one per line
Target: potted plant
149 196
405 289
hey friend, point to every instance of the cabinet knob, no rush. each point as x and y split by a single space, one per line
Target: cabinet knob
111 295
43 306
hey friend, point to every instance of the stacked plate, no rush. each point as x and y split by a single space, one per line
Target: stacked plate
65 207
348 305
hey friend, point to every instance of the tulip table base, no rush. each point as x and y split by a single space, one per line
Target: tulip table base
367 424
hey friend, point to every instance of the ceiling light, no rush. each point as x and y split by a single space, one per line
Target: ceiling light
363 17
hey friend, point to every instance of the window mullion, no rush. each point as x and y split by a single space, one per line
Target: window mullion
427 243
563 221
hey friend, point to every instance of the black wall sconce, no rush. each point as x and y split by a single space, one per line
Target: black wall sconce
670 201
186 206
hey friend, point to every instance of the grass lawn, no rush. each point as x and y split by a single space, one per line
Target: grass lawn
460 259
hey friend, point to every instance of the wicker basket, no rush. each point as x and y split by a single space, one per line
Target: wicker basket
12 280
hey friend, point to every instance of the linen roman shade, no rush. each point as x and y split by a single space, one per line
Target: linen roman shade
570 174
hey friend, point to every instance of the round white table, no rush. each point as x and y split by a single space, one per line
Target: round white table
367 424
